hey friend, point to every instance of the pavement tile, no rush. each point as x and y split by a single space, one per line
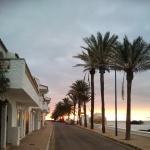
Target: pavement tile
36 140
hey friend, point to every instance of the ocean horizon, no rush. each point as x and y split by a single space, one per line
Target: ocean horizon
134 127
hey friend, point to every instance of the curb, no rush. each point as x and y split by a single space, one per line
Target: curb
47 147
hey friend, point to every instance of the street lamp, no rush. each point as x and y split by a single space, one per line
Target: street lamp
101 70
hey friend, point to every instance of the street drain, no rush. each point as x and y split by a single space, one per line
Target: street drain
31 144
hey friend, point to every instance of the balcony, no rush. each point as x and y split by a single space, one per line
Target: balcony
22 86
45 107
41 103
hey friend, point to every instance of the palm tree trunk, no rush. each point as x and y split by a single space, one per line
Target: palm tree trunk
85 120
74 113
79 112
128 115
102 101
92 72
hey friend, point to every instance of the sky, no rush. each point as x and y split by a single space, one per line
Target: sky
49 33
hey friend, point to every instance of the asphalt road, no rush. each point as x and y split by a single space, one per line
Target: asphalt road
69 137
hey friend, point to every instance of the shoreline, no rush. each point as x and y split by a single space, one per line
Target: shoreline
121 129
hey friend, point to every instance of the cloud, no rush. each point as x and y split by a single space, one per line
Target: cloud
48 33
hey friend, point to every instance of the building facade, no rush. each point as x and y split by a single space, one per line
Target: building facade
24 105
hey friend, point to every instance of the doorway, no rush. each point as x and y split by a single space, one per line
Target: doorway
27 122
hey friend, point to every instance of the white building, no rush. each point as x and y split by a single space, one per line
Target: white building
27 104
37 114
83 119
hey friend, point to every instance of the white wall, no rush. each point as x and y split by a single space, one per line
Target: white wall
14 132
40 102
14 113
19 79
15 73
28 87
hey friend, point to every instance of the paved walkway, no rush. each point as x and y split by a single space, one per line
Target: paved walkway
139 142
39 140
36 140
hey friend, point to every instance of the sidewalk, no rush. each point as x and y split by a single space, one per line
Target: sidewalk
138 142
36 140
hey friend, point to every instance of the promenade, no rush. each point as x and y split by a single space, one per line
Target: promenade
139 141
39 140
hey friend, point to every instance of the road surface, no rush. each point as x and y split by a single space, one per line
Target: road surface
69 137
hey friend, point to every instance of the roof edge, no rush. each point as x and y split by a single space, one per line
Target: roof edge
3 45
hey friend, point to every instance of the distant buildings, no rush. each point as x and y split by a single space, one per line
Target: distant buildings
98 118
27 104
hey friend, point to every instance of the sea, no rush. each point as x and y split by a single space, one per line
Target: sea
122 125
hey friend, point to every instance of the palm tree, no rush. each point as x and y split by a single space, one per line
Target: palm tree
89 65
99 48
67 106
59 109
79 88
85 98
73 97
132 58
62 108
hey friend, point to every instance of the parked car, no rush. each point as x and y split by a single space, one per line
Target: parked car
61 120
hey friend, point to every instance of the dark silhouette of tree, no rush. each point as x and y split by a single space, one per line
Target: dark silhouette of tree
131 58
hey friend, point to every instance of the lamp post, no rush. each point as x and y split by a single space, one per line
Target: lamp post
102 71
116 128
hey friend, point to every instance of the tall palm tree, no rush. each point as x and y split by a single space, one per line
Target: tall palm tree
99 49
89 65
132 58
78 88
